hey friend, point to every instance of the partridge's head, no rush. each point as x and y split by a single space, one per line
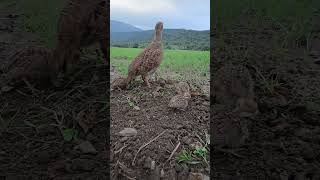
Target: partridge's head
159 26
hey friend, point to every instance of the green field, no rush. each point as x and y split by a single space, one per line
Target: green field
294 16
182 63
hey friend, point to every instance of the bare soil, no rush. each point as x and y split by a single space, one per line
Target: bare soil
32 145
284 137
153 119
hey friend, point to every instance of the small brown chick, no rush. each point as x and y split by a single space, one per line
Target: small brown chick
229 130
182 88
147 62
233 86
179 102
30 64
119 82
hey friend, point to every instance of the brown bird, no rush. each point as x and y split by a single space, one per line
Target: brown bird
80 24
147 62
181 101
233 87
28 65
119 82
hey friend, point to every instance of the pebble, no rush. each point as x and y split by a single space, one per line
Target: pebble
87 148
83 165
128 132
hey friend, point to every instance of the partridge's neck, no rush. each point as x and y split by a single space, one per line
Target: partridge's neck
157 36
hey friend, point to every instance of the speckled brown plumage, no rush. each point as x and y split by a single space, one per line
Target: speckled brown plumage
147 62
183 88
81 23
232 83
119 83
181 100
32 64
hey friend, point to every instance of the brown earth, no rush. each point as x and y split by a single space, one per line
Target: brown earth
147 111
32 145
284 138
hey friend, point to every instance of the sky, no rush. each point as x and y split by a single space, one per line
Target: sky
175 14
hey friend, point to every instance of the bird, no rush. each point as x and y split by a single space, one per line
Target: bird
181 100
30 65
233 87
147 62
81 23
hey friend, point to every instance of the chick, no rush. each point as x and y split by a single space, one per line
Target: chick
30 64
234 88
119 83
182 87
181 100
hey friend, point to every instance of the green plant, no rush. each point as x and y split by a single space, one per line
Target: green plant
131 103
184 156
69 134
199 153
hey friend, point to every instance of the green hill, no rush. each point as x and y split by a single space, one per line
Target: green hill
172 39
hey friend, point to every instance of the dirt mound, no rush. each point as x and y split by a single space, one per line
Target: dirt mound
146 110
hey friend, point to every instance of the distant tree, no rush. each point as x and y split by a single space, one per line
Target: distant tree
135 45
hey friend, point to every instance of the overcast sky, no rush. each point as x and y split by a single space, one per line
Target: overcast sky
186 14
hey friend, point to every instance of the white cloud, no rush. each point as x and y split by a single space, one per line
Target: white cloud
142 6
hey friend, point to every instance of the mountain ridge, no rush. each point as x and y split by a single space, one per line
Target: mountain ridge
118 26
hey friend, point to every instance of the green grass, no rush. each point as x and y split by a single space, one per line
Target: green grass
177 61
196 154
294 16
41 17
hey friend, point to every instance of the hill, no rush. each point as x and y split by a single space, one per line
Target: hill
117 26
172 39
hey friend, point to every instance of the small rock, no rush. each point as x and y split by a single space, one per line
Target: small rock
123 139
6 88
179 127
128 132
136 108
86 147
83 165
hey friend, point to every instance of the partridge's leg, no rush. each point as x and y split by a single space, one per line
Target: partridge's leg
145 78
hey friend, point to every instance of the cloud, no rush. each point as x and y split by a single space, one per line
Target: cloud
142 6
188 14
